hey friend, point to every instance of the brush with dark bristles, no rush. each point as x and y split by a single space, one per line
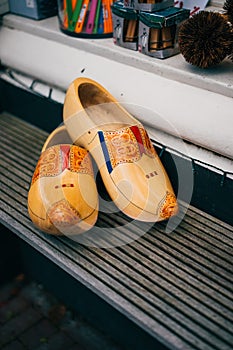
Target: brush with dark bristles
206 39
228 7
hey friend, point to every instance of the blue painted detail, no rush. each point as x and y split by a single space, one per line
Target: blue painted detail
105 151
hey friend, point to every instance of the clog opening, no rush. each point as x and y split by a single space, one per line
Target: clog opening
58 137
103 110
91 95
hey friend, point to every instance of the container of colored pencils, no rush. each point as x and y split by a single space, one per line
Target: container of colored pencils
86 18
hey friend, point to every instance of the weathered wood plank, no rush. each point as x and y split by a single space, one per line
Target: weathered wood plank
19 139
177 287
210 221
14 123
103 289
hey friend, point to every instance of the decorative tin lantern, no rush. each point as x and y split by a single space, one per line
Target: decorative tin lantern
125 26
148 5
158 31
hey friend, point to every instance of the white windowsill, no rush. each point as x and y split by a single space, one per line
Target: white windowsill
169 94
218 79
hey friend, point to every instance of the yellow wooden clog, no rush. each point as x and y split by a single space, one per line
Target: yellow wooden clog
63 196
130 168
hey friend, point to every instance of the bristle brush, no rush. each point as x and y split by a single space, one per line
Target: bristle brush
206 39
228 7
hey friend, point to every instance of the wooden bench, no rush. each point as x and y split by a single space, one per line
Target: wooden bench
161 291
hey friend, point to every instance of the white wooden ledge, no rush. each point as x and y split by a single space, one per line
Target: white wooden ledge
170 94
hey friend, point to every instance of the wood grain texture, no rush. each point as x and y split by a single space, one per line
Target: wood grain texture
178 287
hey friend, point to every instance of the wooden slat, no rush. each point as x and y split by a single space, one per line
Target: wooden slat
158 238
22 166
177 287
14 173
24 150
210 221
209 234
18 124
126 261
19 139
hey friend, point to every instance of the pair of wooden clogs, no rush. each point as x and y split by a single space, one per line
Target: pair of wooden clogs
63 197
